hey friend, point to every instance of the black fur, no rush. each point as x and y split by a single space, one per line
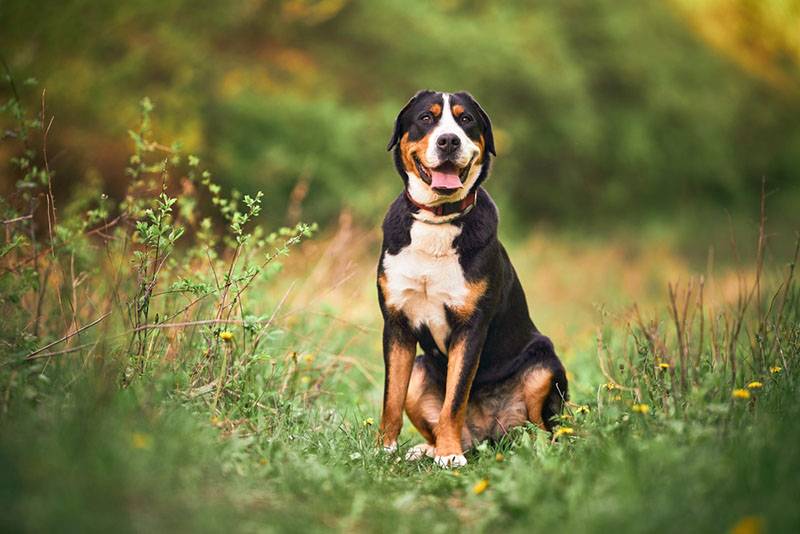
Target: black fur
502 340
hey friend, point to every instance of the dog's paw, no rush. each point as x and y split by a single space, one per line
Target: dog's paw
391 448
450 461
418 452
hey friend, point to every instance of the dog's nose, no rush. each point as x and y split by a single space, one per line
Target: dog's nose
448 143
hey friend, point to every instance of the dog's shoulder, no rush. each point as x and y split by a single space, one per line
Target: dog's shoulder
397 226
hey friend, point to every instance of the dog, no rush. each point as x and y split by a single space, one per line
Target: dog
446 283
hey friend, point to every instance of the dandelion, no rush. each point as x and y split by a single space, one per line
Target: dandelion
226 335
369 421
305 379
663 365
309 358
775 369
751 524
755 384
610 386
141 441
740 394
641 408
499 457
564 431
480 486
617 397
582 409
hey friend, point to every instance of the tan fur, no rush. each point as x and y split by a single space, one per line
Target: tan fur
475 291
407 148
451 425
536 384
401 360
458 109
436 109
383 285
423 405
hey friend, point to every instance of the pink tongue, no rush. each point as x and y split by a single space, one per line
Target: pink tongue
444 180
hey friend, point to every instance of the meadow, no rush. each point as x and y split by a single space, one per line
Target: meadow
189 326
171 368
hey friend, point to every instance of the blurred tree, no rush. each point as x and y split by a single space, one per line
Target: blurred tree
604 109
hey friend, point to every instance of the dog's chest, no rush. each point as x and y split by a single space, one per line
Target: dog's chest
426 276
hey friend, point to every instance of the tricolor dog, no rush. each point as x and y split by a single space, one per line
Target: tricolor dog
446 283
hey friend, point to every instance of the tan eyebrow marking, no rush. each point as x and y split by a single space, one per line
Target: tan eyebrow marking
458 109
436 109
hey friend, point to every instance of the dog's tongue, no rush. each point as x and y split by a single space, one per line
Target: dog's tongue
445 180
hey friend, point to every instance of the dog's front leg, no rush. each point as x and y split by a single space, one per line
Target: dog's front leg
462 361
399 351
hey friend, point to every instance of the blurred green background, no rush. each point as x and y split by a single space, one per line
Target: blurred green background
605 111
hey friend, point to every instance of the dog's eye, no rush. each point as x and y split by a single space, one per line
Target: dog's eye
426 118
465 119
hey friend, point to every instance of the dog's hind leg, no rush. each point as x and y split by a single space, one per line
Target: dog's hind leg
423 405
544 385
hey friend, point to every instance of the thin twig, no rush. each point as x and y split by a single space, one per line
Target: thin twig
66 337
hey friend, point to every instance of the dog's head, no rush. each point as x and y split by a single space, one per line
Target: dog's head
442 143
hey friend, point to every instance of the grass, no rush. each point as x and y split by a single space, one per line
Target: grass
162 371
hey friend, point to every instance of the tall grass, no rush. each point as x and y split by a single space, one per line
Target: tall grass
152 379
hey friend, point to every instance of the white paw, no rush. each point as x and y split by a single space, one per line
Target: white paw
418 452
451 461
390 448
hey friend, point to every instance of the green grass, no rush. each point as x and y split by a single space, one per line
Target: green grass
160 371
92 457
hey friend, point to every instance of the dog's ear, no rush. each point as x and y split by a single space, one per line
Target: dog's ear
397 133
487 124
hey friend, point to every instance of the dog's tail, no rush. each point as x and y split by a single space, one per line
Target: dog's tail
557 396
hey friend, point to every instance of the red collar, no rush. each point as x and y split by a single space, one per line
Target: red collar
449 208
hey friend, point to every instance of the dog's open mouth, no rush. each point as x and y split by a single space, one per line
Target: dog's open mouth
445 178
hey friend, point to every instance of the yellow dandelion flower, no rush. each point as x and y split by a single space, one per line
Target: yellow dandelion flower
499 457
663 365
641 408
755 384
610 386
740 394
369 421
214 419
582 409
226 335
564 431
305 379
775 369
309 358
617 397
750 524
480 486
141 441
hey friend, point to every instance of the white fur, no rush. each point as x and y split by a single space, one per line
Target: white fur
425 276
422 192
390 448
417 452
450 461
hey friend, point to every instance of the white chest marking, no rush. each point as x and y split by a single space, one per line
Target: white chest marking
425 276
